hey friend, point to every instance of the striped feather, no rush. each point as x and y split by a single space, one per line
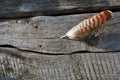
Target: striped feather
86 27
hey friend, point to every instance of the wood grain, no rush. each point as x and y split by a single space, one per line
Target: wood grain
42 34
87 66
22 41
25 8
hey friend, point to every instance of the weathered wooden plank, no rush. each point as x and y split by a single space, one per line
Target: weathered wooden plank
22 8
42 34
61 67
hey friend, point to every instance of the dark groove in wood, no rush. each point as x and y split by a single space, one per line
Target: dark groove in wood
97 66
115 65
72 57
100 65
78 10
93 67
106 62
57 53
81 64
111 68
90 73
85 67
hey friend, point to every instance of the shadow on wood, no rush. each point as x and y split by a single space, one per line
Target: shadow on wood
105 42
5 77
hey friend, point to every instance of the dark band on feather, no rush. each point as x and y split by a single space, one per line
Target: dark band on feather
102 18
97 21
108 14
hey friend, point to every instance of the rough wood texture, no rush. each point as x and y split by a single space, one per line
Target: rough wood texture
22 8
23 40
42 34
63 67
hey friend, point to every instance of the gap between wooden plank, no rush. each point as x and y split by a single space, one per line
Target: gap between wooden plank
55 53
76 10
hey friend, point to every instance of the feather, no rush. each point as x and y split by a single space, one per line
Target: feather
85 28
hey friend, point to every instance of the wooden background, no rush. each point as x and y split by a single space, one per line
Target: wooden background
31 49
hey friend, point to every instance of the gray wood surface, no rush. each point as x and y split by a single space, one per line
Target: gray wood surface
25 8
102 66
42 34
27 44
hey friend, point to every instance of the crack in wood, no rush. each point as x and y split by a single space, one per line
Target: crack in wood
12 54
56 53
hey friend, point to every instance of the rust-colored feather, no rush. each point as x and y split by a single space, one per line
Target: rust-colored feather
85 28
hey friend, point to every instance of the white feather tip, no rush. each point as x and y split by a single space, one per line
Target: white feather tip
64 37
